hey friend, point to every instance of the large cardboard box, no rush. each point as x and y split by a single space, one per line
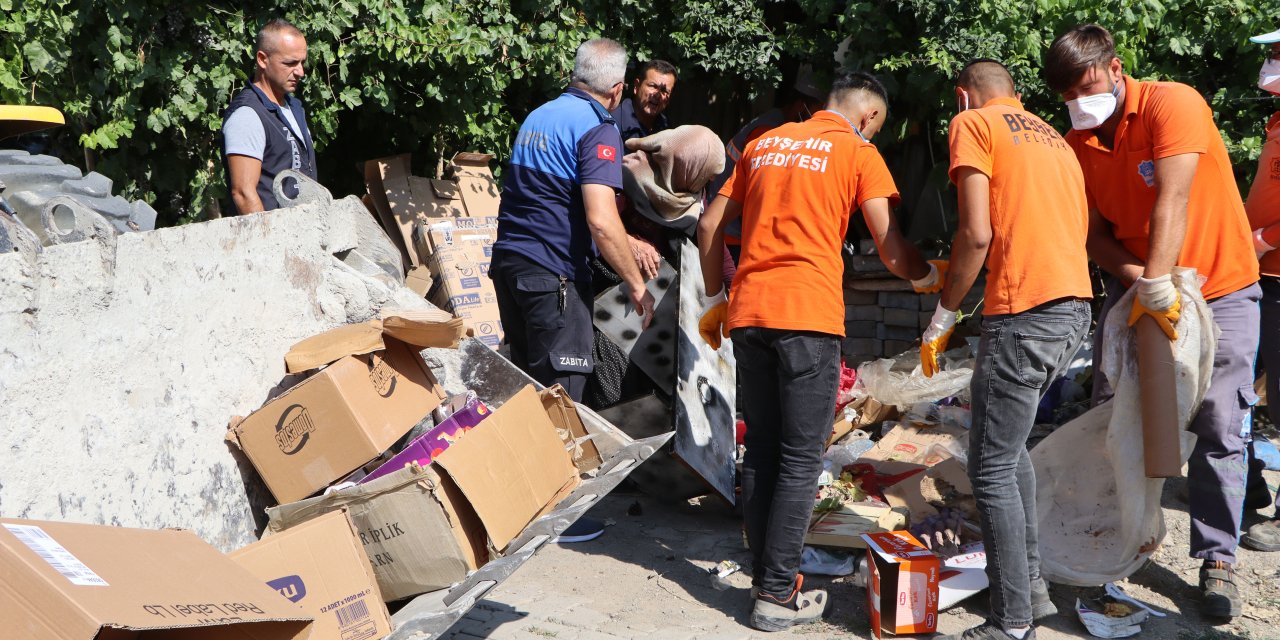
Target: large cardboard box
461 284
425 528
902 584
63 581
321 566
337 420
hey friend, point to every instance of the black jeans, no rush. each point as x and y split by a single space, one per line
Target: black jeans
546 319
788 382
1019 356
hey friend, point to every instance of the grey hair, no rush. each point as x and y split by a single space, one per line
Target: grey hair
599 64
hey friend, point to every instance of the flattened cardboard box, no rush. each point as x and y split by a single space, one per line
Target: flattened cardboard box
417 529
321 566
64 581
424 529
337 420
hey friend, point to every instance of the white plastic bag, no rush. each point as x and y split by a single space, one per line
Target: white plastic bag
1099 514
901 384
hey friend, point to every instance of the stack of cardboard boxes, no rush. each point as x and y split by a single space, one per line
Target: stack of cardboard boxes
445 231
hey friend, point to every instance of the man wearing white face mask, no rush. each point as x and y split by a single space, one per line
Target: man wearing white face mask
1161 193
1263 207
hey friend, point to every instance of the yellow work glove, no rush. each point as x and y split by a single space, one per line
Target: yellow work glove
935 339
1158 298
711 324
933 282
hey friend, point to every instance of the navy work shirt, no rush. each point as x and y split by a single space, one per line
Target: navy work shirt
562 145
630 126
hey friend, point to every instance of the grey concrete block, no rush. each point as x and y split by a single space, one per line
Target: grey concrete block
929 301
925 318
895 347
861 345
863 312
853 296
900 300
902 318
887 332
860 328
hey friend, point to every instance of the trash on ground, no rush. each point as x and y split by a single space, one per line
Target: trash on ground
897 383
1115 591
902 584
720 573
1107 618
825 562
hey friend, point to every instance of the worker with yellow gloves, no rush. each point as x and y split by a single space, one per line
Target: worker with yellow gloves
795 188
1162 194
1021 191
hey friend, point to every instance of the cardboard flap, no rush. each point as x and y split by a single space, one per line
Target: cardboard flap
510 466
564 415
472 162
335 344
387 179
378 198
446 190
424 327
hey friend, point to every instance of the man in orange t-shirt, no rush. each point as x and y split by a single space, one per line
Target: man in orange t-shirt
1162 194
1021 192
1263 207
795 189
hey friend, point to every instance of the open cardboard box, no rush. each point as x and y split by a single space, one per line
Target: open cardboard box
425 528
321 566
902 584
374 391
64 581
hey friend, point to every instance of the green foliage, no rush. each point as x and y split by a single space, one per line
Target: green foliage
144 82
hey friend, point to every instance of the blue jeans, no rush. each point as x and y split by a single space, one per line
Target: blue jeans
788 383
1019 355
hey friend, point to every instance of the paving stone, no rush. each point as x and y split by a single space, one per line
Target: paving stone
925 318
895 347
861 345
929 301
852 297
864 311
902 318
860 329
899 300
887 332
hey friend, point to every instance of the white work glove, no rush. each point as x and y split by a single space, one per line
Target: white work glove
935 339
1158 298
932 283
1260 246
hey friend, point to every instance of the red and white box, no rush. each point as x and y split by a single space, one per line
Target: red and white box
902 584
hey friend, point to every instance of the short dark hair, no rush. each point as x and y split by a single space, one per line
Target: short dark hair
274 27
985 74
1073 53
661 66
852 81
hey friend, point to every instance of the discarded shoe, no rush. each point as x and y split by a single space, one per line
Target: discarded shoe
771 614
1041 605
1264 536
988 631
581 531
1221 596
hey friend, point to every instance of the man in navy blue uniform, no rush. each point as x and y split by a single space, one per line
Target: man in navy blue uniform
558 208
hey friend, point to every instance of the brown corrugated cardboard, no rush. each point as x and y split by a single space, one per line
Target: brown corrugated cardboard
844 528
511 467
339 419
479 189
443 198
385 197
418 280
461 281
327 347
64 581
423 327
418 530
321 566
564 415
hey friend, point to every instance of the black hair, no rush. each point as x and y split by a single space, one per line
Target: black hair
850 81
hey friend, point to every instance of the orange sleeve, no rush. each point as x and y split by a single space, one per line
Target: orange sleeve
1179 121
874 180
970 143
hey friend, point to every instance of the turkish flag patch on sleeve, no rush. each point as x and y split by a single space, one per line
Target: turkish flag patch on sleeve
606 152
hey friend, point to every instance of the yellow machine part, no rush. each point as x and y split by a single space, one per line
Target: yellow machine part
16 120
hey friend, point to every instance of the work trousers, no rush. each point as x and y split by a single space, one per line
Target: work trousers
1217 467
1019 356
788 382
546 320
1269 350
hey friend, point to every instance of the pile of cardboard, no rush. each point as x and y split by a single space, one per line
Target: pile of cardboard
445 231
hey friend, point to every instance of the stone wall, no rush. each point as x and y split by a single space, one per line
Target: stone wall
122 360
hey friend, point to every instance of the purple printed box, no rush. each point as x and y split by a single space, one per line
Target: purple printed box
431 444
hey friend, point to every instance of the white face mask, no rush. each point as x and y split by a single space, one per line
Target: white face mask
1269 76
1089 112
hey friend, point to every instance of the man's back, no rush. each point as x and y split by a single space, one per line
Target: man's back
1038 214
562 145
798 185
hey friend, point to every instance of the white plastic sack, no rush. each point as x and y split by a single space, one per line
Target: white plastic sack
1099 514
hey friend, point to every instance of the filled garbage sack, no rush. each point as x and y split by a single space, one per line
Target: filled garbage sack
664 174
1099 514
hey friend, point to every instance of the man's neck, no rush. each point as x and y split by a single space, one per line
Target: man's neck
645 120
266 88
604 101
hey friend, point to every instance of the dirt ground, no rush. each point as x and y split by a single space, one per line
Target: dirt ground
646 578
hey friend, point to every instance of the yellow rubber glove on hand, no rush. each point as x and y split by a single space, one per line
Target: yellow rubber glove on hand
1157 298
935 340
711 324
933 282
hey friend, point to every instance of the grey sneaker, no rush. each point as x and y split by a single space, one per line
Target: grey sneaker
1264 536
988 631
1041 606
1218 584
771 614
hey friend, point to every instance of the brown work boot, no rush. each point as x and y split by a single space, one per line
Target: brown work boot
1218 584
1264 536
